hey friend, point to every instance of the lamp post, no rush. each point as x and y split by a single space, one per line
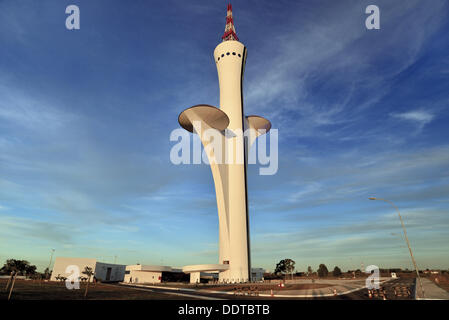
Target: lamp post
406 240
51 258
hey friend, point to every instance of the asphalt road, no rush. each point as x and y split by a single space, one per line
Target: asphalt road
397 289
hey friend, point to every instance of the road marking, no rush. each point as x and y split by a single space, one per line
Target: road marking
176 293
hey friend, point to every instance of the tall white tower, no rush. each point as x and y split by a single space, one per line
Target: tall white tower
229 164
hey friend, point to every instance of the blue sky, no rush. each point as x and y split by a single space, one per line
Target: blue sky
86 115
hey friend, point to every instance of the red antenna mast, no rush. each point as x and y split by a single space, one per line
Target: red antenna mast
229 33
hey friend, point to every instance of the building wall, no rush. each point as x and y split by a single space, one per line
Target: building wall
139 276
195 277
61 263
117 272
257 274
134 267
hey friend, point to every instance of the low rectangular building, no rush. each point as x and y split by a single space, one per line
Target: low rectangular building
104 272
152 274
257 274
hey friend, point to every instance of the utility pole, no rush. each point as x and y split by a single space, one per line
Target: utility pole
51 258
406 239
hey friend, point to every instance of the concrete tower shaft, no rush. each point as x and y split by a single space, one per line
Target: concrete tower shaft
230 57
230 177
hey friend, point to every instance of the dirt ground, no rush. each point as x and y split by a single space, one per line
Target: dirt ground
35 290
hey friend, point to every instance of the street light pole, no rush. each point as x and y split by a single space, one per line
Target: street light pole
406 240
51 258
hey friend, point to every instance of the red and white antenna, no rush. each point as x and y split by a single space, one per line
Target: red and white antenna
229 33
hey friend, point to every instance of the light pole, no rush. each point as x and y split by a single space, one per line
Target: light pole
51 258
406 240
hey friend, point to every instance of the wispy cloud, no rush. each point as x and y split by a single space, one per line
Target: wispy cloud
419 117
306 191
16 227
310 64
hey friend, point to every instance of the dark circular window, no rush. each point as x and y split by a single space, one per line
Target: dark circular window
222 55
218 58
239 55
233 53
227 53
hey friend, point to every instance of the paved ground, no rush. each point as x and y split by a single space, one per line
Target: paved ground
322 287
397 289
431 290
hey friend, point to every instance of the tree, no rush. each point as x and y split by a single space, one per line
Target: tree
30 270
47 274
20 266
309 270
36 276
61 278
89 272
336 272
285 266
322 271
